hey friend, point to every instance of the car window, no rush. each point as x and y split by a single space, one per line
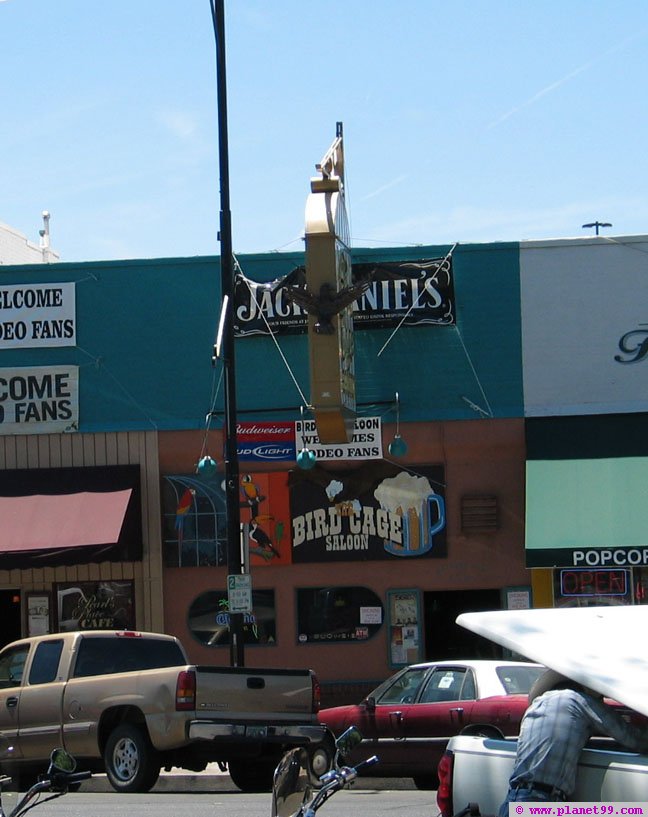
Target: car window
445 684
404 688
100 656
468 688
45 664
12 663
518 679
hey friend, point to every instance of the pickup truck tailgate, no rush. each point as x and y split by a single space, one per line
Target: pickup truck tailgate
240 694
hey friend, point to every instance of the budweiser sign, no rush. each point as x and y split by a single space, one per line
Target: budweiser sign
266 441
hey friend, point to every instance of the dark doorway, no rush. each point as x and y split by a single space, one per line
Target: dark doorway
446 640
10 616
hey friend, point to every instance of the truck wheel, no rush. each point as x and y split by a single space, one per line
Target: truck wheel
321 759
252 775
132 764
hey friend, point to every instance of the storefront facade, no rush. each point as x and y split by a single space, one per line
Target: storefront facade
586 404
361 564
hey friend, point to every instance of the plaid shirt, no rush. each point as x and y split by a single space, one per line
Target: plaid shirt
556 727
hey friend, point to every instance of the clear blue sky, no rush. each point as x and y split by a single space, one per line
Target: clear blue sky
477 120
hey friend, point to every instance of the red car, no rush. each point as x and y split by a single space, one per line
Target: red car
408 720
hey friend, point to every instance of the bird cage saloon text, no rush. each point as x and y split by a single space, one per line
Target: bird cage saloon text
414 292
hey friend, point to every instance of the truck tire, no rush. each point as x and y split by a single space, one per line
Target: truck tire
321 758
252 775
132 764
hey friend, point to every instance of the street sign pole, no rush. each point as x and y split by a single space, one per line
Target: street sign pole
231 466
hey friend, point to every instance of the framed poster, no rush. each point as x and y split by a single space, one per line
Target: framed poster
39 618
405 627
517 598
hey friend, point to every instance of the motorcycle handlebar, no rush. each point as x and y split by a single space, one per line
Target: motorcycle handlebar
370 761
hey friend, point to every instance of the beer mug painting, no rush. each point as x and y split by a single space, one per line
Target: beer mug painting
420 512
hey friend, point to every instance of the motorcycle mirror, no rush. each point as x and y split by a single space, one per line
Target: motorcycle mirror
348 740
292 784
62 761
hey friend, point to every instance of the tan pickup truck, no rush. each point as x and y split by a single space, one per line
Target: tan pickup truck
129 704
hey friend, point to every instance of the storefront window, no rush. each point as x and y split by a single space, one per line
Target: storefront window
328 614
194 521
208 619
640 575
575 587
108 605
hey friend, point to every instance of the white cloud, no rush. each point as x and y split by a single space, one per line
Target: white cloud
179 123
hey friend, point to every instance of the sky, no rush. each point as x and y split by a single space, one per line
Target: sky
464 121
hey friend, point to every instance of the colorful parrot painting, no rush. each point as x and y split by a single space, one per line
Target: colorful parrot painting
184 506
251 495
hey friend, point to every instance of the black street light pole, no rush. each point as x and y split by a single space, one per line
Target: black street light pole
231 466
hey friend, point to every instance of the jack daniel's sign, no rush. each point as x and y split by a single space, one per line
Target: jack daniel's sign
411 292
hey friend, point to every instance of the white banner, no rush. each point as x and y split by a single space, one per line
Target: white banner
584 326
37 315
39 400
366 443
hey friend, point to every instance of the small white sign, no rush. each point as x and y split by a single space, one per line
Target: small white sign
37 315
39 400
239 593
370 615
366 443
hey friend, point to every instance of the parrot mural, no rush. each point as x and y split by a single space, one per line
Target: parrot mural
184 506
251 495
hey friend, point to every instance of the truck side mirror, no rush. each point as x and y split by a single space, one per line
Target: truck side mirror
370 704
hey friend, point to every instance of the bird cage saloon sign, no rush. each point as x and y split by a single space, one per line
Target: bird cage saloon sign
367 514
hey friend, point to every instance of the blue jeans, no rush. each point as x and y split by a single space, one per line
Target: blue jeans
528 795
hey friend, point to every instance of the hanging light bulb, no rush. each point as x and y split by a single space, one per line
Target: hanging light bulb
397 447
206 466
306 459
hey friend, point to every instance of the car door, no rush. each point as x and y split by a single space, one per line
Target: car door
443 707
39 709
385 719
12 663
504 711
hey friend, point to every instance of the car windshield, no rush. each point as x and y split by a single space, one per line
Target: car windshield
402 688
518 679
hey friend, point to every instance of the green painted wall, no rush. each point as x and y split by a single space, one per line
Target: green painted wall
145 331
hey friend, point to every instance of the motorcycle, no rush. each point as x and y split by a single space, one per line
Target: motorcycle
61 776
297 793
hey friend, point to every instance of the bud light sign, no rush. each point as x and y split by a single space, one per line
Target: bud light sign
266 441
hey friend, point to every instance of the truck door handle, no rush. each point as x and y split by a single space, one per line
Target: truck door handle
396 716
458 709
256 683
12 702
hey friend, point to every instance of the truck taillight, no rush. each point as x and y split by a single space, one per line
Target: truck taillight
317 694
444 792
186 690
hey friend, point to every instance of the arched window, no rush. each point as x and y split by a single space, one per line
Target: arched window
194 521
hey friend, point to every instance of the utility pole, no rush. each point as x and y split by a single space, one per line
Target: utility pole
231 465
597 224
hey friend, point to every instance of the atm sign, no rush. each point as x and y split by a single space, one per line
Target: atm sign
594 582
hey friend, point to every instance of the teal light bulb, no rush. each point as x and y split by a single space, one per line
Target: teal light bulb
398 446
306 459
207 466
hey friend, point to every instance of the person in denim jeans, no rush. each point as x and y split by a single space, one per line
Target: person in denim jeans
562 716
